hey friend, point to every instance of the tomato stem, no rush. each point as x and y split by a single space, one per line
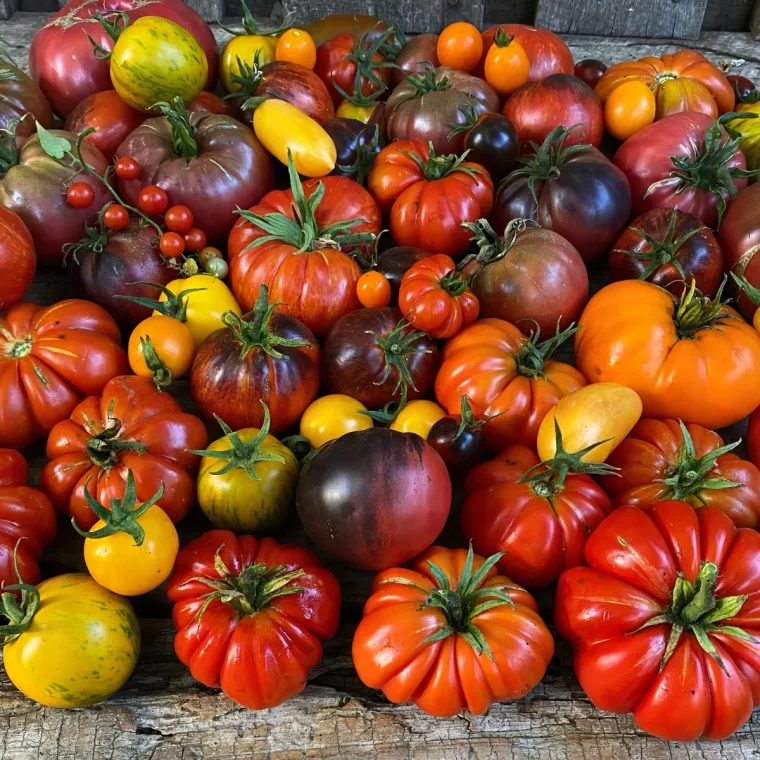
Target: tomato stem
18 349
694 312
184 144
437 167
251 27
174 306
491 246
745 286
396 347
428 81
533 355
20 612
104 447
162 375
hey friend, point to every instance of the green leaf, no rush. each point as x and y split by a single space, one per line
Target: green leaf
56 147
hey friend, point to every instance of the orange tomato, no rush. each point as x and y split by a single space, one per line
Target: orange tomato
373 289
296 46
460 46
506 66
162 348
629 107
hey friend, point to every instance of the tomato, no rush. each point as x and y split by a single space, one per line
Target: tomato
506 64
590 70
459 439
460 46
13 468
80 195
748 130
217 267
179 219
743 87
247 480
22 99
97 630
17 258
434 636
508 379
265 356
492 142
116 217
332 416
242 51
685 161
508 466
669 248
301 260
50 358
155 60
195 239
681 81
376 357
356 145
225 615
664 622
357 110
127 168
374 498
172 245
753 438
132 547
560 100
373 289
131 426
152 200
437 299
629 108
417 417
418 54
296 46
109 115
696 349
161 348
394 263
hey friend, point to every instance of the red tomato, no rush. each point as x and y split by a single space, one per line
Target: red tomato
179 219
116 217
130 426
373 289
17 259
172 245
251 615
80 195
590 70
127 168
686 664
153 200
195 239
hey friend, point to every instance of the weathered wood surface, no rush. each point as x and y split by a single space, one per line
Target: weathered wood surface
754 22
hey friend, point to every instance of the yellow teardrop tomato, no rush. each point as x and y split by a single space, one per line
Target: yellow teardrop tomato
589 415
205 306
245 47
80 647
281 127
332 416
418 417
349 110
155 60
162 348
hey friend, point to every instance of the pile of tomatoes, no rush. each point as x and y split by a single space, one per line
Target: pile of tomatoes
366 254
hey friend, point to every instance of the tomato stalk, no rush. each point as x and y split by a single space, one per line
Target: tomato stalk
426 82
174 306
362 56
396 347
533 355
492 246
112 28
357 97
162 375
437 167
365 157
744 285
467 417
250 27
17 349
390 411
104 448
694 312
122 516
184 144
20 612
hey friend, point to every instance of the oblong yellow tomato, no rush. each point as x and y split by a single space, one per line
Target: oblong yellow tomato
156 60
246 48
594 413
418 417
282 128
81 646
332 416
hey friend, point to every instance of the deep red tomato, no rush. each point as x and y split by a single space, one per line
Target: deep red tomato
80 195
152 200
21 98
195 239
665 459
665 622
740 242
130 426
17 259
395 262
172 245
211 103
116 217
590 70
459 439
434 635
506 467
251 615
179 219
127 168
742 86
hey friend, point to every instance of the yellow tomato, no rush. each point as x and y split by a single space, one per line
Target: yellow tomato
332 416
629 108
205 306
349 110
594 413
418 417
245 47
162 348
80 647
749 130
281 127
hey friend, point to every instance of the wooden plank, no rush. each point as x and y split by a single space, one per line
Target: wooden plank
462 10
754 22
623 18
209 10
509 12
8 8
727 15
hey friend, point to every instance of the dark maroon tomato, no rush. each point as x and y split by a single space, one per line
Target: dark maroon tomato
21 98
669 248
740 242
574 191
590 70
493 142
356 145
394 263
374 498
419 53
743 87
461 446
370 354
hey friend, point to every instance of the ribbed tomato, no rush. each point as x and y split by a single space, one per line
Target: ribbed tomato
17 259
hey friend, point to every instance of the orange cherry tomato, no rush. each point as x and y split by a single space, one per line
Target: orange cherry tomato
629 108
373 289
296 46
506 66
460 46
162 348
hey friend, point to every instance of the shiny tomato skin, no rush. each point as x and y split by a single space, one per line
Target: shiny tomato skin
590 70
18 259
296 46
373 289
195 239
152 199
419 53
460 46
506 67
172 245
394 263
179 219
172 342
493 143
127 168
116 217
80 195
629 108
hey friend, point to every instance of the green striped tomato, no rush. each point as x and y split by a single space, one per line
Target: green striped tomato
155 60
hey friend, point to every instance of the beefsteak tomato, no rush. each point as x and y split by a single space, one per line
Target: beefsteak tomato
18 258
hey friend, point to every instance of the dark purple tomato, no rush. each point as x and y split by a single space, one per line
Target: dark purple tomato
493 142
744 88
590 70
461 447
356 145
395 262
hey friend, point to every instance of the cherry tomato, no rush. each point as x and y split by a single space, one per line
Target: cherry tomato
507 66
162 348
127 168
80 195
460 46
296 46
590 70
743 87
207 253
418 417
373 289
217 267
115 217
629 108
172 245
153 199
195 239
332 416
179 219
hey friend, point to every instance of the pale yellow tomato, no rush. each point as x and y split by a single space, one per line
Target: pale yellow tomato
418 417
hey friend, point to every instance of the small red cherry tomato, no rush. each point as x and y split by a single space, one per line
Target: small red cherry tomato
153 199
127 168
116 217
179 219
80 195
373 290
195 239
172 245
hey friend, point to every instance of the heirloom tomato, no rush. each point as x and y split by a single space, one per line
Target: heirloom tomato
458 438
263 356
356 145
296 46
449 634
292 242
373 289
506 65
460 46
417 417
247 479
664 621
50 358
374 498
18 258
21 99
161 348
509 380
251 616
629 108
492 142
394 263
332 416
210 102
508 466
743 87
749 131
665 459
131 426
419 53
590 70
687 357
